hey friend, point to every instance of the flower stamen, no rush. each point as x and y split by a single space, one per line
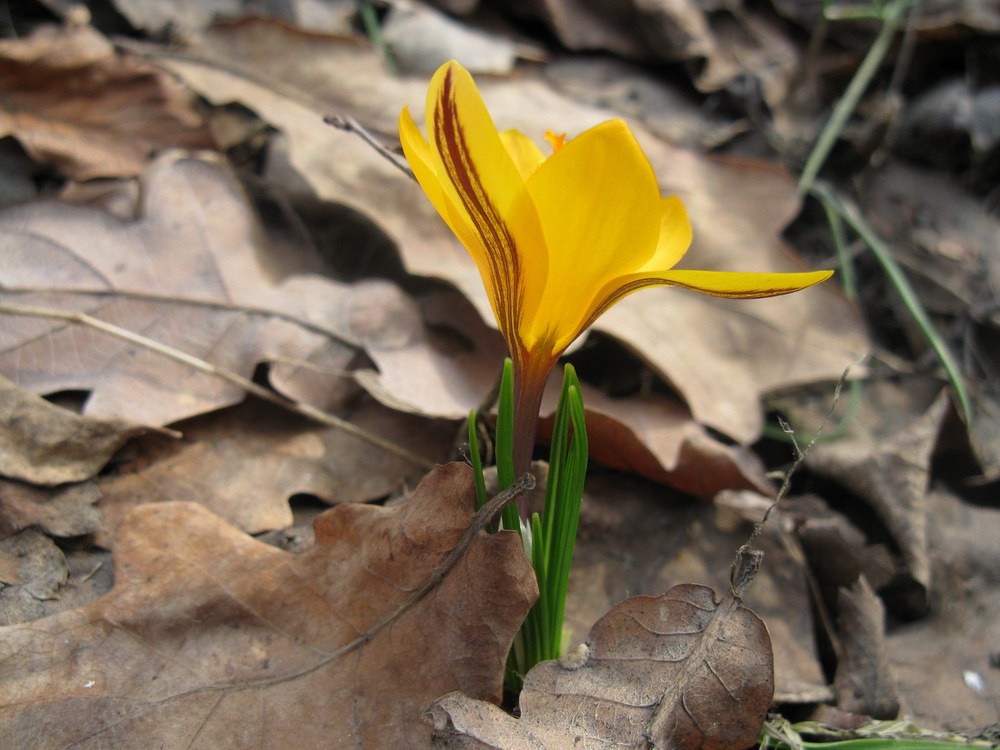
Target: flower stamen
557 141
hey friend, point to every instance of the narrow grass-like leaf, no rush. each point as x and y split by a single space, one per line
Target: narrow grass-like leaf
550 539
369 19
892 15
901 284
477 462
505 444
557 452
542 611
573 476
846 275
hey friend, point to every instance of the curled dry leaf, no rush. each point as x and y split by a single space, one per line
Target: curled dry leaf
864 681
182 19
45 444
722 47
885 459
655 437
37 579
422 39
73 102
210 639
673 538
677 670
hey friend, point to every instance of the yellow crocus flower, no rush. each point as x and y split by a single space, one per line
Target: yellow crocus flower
558 240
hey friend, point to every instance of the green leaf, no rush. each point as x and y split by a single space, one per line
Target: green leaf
505 444
477 462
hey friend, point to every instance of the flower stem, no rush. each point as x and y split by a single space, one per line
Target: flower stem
529 385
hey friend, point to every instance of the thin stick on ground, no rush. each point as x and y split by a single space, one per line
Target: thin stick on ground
310 412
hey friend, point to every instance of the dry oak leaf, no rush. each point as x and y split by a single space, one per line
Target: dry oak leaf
675 671
211 639
73 102
720 355
190 273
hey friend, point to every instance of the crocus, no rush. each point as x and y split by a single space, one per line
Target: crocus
560 239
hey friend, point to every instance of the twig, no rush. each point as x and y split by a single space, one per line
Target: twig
744 567
350 125
208 368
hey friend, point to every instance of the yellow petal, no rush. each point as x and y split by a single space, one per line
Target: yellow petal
526 155
730 284
675 235
599 205
736 285
418 155
479 178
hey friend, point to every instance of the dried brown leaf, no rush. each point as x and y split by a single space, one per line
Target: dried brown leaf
33 570
864 681
211 639
672 538
65 511
181 19
73 102
722 47
45 444
421 39
656 437
885 459
678 670
244 463
187 273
